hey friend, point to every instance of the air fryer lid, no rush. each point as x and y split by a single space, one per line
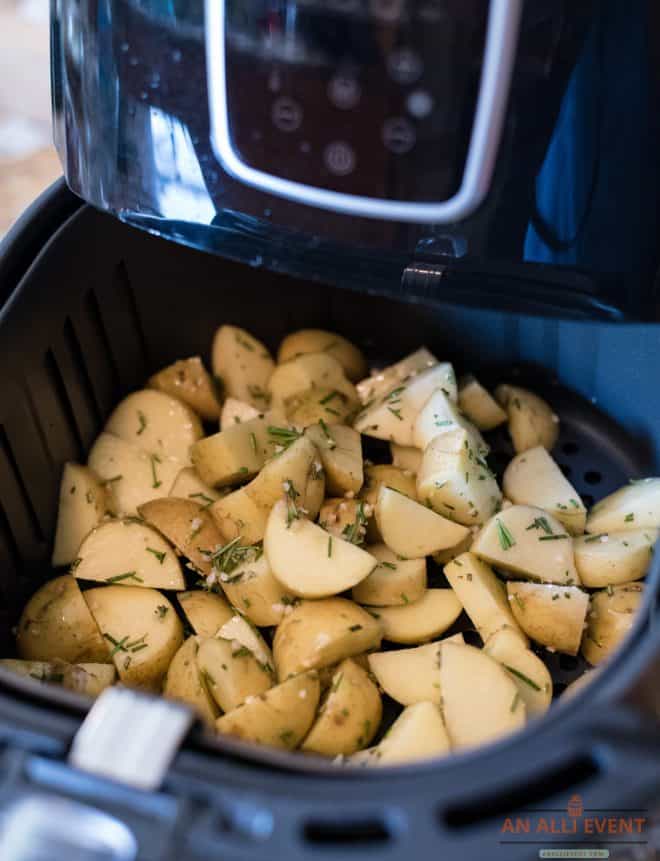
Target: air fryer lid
133 318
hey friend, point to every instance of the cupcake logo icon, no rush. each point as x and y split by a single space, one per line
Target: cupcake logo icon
575 807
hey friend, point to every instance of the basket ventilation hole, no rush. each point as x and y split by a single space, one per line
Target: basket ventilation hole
348 834
570 448
593 477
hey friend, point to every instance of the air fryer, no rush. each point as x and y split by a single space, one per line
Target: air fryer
546 275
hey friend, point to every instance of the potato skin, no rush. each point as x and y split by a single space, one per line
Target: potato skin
531 420
612 614
185 682
320 341
189 381
56 623
188 525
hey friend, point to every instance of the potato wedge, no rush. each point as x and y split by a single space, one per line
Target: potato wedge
234 412
346 518
349 715
531 420
439 415
383 381
420 621
529 542
142 628
320 404
393 581
130 475
553 616
292 466
186 682
533 478
188 485
231 672
237 515
40 671
479 405
307 560
319 341
418 733
411 675
383 475
318 634
233 455
635 506
243 365
392 416
455 480
85 679
205 611
252 588
129 553
411 529
280 718
56 623
528 671
611 615
406 457
190 382
82 506
613 558
482 596
310 371
340 450
244 635
480 700
188 525
157 423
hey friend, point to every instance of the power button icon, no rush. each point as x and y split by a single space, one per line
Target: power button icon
339 158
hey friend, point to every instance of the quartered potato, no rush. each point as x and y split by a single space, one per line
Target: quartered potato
479 405
307 560
531 421
87 679
528 671
252 588
318 405
186 682
442 557
130 475
205 611
190 382
553 616
394 581
612 558
455 480
420 621
235 454
411 529
383 475
188 485
340 451
82 506
349 715
611 615
234 412
528 542
188 525
56 624
142 629
239 630
392 416
231 672
636 506
318 371
243 365
411 675
418 733
319 341
158 424
533 478
129 553
482 596
381 382
291 466
346 518
281 717
406 457
439 415
318 634
237 515
480 700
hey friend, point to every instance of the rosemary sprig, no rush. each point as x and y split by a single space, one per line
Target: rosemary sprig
541 523
283 436
159 554
129 575
506 539
326 433
522 677
354 532
154 460
291 495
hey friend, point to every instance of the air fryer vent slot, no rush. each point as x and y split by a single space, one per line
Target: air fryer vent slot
18 505
349 834
524 796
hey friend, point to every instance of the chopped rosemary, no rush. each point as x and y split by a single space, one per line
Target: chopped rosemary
389 565
154 460
241 652
292 510
554 537
328 398
129 575
354 532
159 554
118 644
331 440
396 413
514 702
283 436
574 503
522 677
337 680
629 518
253 442
594 538
540 523
228 558
506 539
329 546
354 628
113 479
206 499
161 611
143 422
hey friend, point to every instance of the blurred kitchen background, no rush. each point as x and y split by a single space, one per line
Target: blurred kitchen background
28 162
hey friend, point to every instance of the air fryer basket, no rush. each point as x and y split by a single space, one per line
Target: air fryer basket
104 305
